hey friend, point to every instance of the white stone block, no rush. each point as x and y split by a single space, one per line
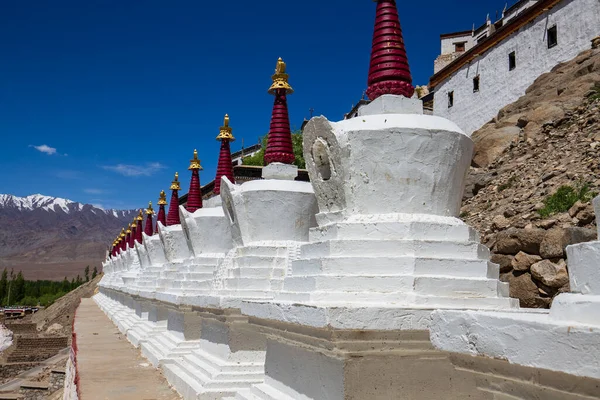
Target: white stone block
391 104
207 230
577 308
154 249
280 171
175 243
382 164
584 267
269 210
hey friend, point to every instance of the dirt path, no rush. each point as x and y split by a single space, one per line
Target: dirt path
109 366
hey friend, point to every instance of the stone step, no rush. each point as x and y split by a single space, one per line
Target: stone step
399 299
217 369
247 284
266 392
457 287
252 261
261 251
395 248
254 272
192 284
349 283
432 228
401 265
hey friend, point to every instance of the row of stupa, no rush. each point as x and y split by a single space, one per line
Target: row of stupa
279 150
338 288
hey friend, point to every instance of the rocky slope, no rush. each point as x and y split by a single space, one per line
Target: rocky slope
546 143
47 230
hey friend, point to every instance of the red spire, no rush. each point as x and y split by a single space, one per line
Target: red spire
128 237
194 200
162 215
173 217
123 240
133 233
149 213
279 142
225 165
389 72
138 232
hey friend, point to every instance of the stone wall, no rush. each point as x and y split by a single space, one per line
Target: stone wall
20 329
34 391
9 371
57 379
29 349
498 85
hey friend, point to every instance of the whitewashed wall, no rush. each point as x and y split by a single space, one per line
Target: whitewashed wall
448 43
577 21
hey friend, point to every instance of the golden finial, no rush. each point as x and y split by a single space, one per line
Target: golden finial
149 210
162 199
128 229
140 216
195 163
175 184
280 79
122 234
225 132
134 223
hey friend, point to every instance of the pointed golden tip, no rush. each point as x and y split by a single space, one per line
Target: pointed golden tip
162 198
195 162
225 130
175 184
280 79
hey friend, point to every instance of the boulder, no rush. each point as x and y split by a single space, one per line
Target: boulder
523 261
490 142
504 261
557 239
550 274
500 222
523 287
514 240
576 208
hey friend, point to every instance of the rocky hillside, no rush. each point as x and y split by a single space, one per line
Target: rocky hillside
39 229
535 170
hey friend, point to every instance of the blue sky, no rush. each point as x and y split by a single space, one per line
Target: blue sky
121 91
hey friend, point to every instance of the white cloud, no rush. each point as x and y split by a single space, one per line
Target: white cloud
148 169
45 149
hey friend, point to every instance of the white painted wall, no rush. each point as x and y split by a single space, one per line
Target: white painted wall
577 21
518 10
448 43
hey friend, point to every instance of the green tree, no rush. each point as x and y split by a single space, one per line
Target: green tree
94 272
3 286
86 273
79 281
258 159
18 288
66 286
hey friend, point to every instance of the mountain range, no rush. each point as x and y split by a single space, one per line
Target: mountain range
50 237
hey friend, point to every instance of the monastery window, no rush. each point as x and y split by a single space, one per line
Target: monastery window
459 47
552 36
512 61
476 84
450 99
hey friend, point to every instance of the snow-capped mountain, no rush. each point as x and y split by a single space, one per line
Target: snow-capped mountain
49 230
39 201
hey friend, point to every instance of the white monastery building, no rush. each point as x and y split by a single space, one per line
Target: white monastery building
481 71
